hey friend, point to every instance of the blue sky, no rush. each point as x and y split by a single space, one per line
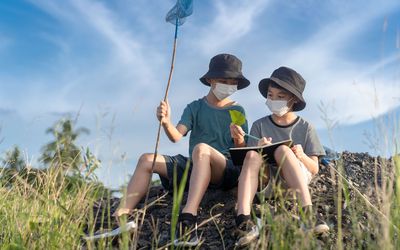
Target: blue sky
108 62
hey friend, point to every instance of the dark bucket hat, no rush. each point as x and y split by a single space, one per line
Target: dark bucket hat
225 66
288 79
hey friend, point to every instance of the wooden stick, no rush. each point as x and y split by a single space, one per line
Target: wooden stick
159 124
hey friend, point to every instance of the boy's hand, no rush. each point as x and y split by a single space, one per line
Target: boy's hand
264 141
237 132
163 113
298 151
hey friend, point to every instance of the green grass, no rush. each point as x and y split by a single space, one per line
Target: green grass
50 208
44 209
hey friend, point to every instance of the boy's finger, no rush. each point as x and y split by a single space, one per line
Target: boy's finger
164 104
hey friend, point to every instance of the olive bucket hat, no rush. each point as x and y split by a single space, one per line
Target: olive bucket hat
225 66
288 79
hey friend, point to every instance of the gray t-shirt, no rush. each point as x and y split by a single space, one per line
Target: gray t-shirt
300 132
210 125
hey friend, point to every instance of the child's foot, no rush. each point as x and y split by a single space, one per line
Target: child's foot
122 222
312 221
320 226
122 211
247 230
186 231
111 233
122 214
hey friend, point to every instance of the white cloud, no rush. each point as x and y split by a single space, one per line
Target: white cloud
93 16
338 80
105 23
123 64
351 102
233 20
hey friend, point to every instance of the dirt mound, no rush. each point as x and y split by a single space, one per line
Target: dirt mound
217 210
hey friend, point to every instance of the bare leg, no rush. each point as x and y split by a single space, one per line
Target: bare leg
292 173
208 167
248 182
138 184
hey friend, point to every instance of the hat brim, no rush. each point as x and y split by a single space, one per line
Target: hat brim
242 81
263 88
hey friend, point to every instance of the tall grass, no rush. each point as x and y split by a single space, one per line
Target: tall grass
44 209
49 209
177 199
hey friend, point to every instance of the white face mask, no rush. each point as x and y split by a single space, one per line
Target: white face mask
278 107
222 91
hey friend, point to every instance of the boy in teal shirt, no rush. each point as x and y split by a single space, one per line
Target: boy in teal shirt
293 166
208 120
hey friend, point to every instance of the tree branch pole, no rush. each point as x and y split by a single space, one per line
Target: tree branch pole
159 124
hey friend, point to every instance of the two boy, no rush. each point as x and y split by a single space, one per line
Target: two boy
209 120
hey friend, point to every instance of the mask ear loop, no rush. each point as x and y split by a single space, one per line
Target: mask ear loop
291 109
294 102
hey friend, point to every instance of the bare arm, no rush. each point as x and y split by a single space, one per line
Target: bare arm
164 116
174 133
310 162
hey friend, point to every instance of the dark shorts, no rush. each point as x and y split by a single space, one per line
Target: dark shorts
179 162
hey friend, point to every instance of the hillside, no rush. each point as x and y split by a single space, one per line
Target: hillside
353 221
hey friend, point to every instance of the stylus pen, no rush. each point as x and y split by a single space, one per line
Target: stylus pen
252 137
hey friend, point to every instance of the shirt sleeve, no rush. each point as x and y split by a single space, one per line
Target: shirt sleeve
313 145
245 128
187 118
254 131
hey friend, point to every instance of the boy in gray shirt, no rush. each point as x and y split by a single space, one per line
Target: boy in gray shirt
294 166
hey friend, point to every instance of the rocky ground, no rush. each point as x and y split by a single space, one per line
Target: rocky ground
363 172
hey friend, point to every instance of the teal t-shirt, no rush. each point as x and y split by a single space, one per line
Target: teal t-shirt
210 125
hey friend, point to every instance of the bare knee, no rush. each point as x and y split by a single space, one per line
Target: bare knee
145 163
252 162
254 157
281 153
200 150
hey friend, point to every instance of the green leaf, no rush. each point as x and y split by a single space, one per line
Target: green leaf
237 117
